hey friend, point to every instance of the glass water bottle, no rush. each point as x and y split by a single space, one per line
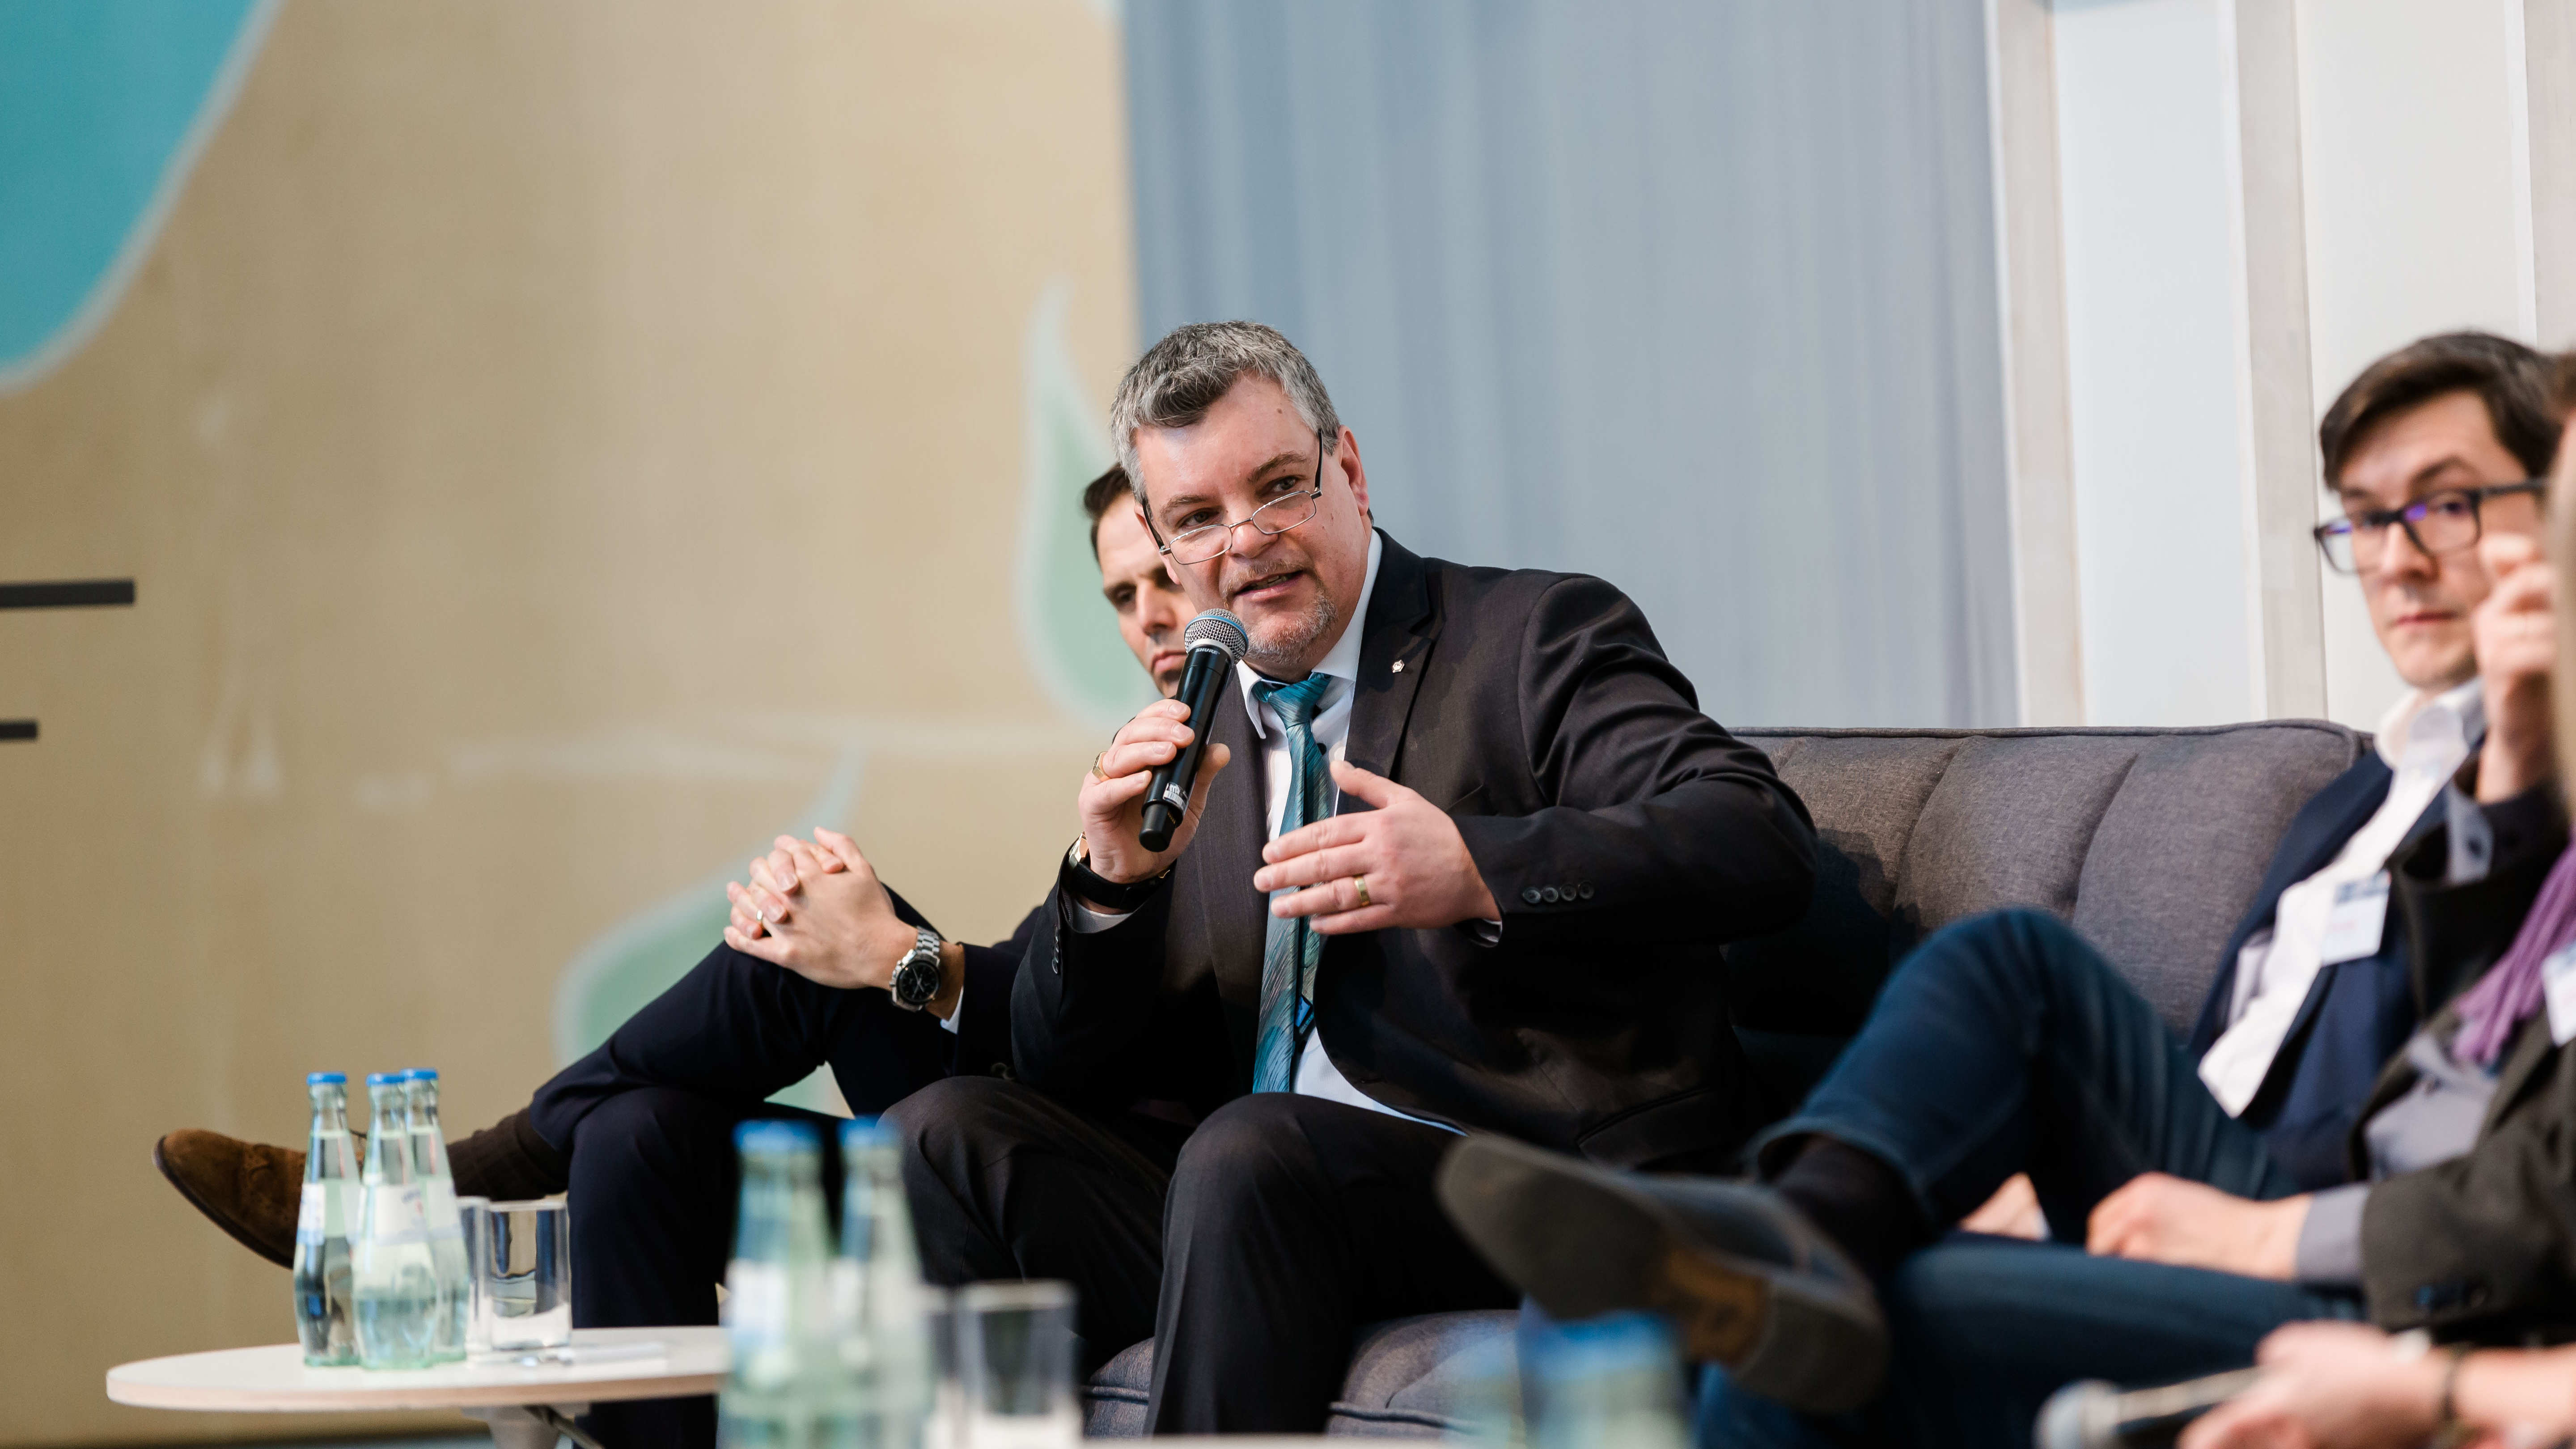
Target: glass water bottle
324 1317
777 1312
393 1280
438 1209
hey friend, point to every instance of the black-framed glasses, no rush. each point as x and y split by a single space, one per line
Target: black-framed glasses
2437 523
1211 540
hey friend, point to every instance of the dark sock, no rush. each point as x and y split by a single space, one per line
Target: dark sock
508 1162
1859 1201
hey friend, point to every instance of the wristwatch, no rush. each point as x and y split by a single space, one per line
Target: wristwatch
917 977
1107 894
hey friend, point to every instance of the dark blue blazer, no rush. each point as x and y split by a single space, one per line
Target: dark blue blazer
2357 1014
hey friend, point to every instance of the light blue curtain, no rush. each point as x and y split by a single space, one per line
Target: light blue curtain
1698 296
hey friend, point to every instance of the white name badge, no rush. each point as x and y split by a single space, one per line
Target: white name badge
2354 921
2558 988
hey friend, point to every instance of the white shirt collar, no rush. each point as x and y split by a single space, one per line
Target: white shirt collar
2448 722
1342 661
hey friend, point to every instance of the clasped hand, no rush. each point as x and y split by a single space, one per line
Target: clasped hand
817 908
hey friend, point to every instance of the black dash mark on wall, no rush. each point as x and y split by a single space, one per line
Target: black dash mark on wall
68 594
17 729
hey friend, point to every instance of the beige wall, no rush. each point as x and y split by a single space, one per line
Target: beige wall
548 437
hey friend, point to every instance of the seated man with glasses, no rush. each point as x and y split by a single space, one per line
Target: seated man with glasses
2008 1044
1460 858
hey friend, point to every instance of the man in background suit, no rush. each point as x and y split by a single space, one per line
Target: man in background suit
2008 1043
1239 1058
639 1131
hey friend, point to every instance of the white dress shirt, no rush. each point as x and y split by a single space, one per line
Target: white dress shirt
2424 739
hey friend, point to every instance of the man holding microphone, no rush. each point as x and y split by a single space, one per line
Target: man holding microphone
1459 854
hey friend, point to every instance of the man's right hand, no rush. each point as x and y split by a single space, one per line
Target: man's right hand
1113 793
2517 641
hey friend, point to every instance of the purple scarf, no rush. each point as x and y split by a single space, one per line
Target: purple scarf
2511 989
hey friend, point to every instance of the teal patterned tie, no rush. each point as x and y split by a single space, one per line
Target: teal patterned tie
1289 954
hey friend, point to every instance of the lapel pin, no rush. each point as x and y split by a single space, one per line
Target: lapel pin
1399 666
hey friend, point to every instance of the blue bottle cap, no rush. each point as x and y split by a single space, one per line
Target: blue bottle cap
421 1074
387 1079
861 1132
315 1079
774 1137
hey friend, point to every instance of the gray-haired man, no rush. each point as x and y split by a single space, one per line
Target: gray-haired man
1461 858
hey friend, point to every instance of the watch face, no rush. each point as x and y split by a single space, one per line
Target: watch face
916 981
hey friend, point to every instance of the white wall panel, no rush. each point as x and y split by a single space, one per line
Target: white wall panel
2418 218
2157 363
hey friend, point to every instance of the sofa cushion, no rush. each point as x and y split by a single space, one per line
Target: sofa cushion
2151 841
1408 1379
2175 861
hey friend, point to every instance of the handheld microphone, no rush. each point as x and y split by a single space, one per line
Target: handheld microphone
1216 642
2094 1415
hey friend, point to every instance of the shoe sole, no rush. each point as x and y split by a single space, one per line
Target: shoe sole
231 1229
1583 1244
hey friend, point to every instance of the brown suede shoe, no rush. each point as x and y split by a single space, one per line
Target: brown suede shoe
249 1189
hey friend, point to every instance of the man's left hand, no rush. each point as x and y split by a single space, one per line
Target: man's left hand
2164 1219
1407 851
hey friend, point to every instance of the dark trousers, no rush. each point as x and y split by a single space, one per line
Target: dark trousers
1250 1249
2008 1044
647 1122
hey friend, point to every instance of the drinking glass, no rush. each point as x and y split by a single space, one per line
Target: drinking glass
946 1426
1015 1366
472 1215
526 1273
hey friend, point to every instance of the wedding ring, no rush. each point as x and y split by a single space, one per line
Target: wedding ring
1362 882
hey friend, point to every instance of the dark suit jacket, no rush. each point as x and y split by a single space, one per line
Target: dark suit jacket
1623 833
2356 1013
982 1040
2483 1245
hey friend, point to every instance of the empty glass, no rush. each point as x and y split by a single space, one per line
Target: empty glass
472 1219
525 1277
946 1426
1015 1366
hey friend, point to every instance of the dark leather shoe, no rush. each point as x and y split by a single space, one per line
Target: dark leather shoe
249 1189
1747 1281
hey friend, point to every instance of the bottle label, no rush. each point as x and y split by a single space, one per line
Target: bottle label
326 1210
755 1306
396 1214
439 1196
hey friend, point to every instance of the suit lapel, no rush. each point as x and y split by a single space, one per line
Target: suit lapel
2362 788
2533 1044
1399 629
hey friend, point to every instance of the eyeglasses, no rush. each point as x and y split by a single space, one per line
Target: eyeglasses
1210 540
2437 523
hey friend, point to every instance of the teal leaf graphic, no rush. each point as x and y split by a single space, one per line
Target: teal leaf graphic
638 958
1065 626
104 108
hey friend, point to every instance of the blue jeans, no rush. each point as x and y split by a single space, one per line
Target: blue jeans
2008 1044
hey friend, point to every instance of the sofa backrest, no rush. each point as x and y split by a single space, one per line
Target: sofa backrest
2150 841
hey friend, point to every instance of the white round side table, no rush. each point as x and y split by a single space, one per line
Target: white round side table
527 1401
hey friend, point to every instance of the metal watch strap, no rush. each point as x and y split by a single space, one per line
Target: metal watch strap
923 958
1101 892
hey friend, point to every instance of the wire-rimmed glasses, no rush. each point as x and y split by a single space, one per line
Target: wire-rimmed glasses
1211 540
2437 523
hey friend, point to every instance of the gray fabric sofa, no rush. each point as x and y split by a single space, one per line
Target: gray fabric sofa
2152 842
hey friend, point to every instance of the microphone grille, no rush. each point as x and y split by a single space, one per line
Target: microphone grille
1219 630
